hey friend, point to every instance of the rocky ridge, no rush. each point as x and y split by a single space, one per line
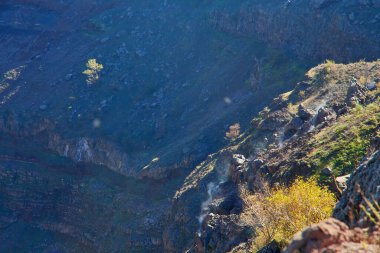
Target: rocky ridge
277 150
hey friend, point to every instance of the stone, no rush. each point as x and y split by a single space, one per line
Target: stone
327 172
356 93
323 115
238 159
275 120
295 123
228 205
371 85
342 181
304 113
333 235
272 247
217 234
293 126
343 110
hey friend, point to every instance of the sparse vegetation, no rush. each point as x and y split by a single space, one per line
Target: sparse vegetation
92 71
284 211
322 73
342 146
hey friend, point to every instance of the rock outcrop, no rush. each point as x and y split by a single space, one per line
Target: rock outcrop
364 182
334 236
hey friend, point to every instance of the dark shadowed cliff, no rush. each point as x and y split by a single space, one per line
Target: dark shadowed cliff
122 163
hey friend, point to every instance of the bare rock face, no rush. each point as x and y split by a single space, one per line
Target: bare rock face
221 233
276 120
334 236
357 93
342 181
367 177
237 168
92 151
293 126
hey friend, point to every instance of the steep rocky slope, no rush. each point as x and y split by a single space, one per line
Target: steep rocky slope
165 71
109 167
156 73
51 204
320 29
324 127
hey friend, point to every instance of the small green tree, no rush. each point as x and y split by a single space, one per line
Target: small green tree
92 71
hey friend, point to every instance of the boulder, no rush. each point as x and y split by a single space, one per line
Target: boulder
371 85
333 235
237 168
230 204
220 234
238 159
304 113
275 120
356 93
272 247
323 115
293 126
342 181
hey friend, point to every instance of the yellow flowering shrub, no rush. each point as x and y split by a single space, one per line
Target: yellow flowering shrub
285 211
92 71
